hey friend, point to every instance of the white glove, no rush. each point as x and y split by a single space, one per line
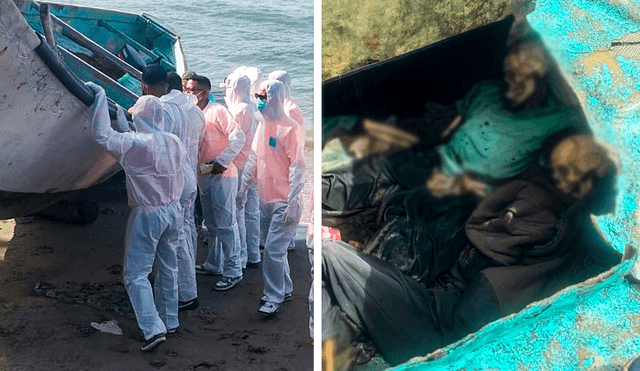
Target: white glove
241 198
93 86
121 124
291 214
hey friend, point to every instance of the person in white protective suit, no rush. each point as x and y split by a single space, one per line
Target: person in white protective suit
277 164
184 119
153 164
247 116
254 75
221 142
292 109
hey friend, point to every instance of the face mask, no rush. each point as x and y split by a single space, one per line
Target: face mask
261 104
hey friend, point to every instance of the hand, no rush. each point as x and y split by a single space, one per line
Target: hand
289 216
240 199
217 168
93 86
441 185
121 124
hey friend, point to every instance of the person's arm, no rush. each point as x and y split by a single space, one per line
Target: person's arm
250 168
117 144
236 138
441 185
297 166
452 127
296 114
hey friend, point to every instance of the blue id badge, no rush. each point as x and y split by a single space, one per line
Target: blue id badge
272 142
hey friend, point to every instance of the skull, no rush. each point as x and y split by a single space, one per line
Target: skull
576 161
524 65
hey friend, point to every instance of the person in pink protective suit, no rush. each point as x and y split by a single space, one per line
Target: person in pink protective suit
246 114
221 142
153 164
184 119
292 109
277 164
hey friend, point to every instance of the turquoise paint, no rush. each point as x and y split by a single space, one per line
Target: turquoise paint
594 325
576 329
86 21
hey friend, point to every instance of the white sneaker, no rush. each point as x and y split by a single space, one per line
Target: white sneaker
201 270
269 309
287 297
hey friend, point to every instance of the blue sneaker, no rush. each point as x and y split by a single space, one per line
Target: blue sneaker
226 283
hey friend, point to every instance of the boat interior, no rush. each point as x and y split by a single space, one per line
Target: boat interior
107 47
442 72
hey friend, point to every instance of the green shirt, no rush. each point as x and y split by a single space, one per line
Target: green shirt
497 143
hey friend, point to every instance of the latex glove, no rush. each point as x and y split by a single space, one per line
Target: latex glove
93 86
291 214
121 124
241 198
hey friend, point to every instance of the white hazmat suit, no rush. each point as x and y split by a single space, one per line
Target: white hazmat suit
153 164
254 75
247 116
184 119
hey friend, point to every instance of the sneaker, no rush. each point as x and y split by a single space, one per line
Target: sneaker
227 283
200 270
188 305
173 332
253 265
152 343
287 297
269 309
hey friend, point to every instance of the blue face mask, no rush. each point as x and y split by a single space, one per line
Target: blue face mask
261 104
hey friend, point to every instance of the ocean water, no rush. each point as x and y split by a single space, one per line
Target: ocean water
218 36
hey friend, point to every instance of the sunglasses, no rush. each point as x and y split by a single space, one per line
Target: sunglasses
193 90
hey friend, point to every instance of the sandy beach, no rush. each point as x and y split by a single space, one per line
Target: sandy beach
57 279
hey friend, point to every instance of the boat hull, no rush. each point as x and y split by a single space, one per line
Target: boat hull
46 151
45 143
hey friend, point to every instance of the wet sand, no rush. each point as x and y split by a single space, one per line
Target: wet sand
56 279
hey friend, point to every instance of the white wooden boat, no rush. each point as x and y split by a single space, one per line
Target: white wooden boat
46 153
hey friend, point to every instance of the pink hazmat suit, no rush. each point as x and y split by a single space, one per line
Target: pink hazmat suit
277 164
222 141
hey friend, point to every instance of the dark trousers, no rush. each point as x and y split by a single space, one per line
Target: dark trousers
197 212
365 298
